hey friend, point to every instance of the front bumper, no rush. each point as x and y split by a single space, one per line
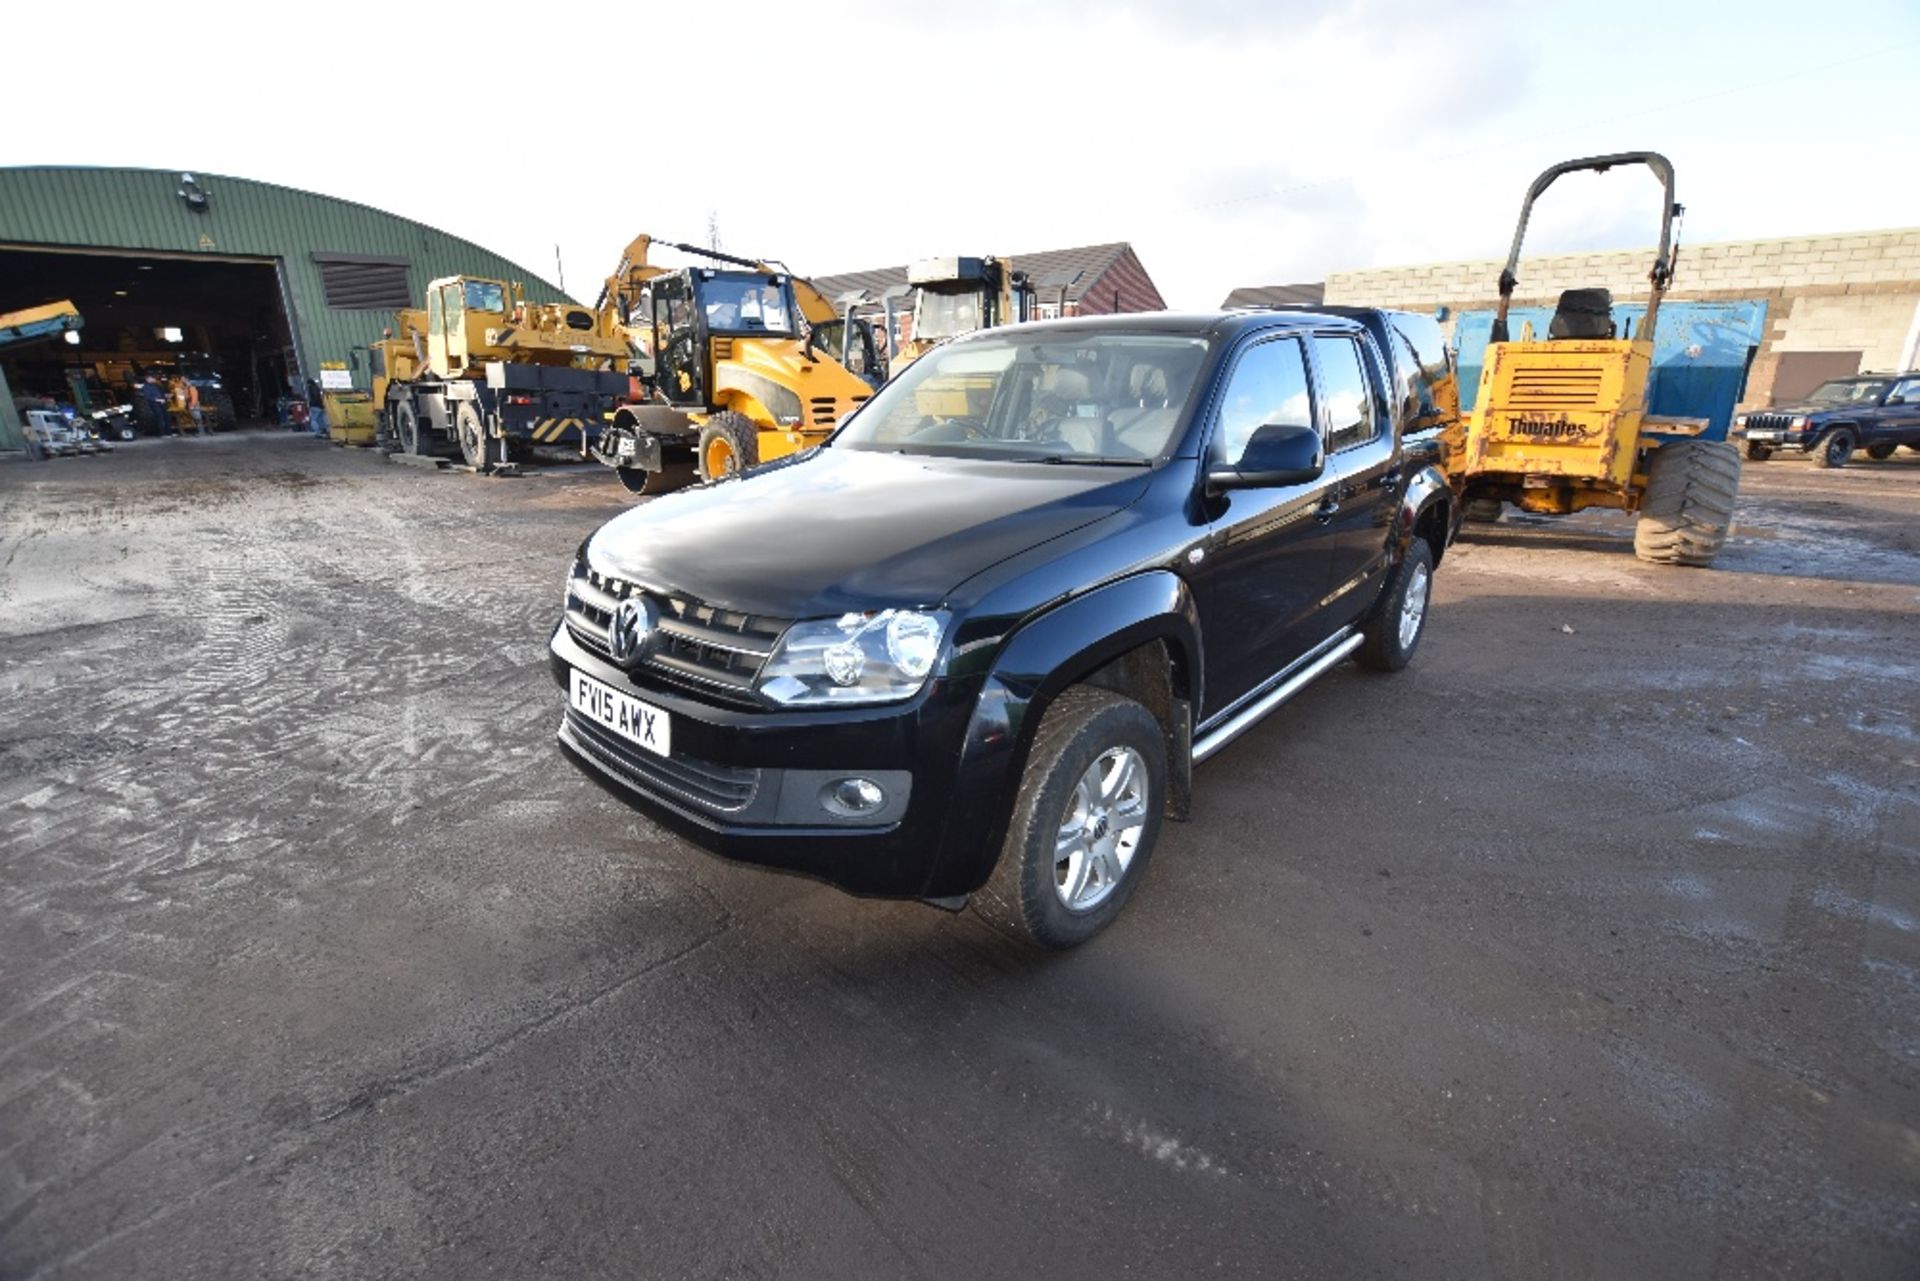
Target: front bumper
1774 438
745 784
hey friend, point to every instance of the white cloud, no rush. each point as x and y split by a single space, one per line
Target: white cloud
1232 143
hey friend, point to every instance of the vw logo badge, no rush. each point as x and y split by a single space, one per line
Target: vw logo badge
630 629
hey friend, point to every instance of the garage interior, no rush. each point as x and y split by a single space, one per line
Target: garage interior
150 312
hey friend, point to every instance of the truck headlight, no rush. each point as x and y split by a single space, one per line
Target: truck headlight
1800 421
855 658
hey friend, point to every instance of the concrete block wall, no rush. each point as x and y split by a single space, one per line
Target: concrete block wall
1850 292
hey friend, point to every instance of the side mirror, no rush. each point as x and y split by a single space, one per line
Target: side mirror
1278 454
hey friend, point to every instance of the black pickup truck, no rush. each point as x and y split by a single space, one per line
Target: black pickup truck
1876 413
975 643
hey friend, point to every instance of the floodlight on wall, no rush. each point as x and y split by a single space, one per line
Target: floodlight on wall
191 193
171 334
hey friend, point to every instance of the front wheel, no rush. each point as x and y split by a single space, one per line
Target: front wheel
406 426
1880 453
1084 823
729 444
1835 448
1757 453
1687 510
474 445
1393 632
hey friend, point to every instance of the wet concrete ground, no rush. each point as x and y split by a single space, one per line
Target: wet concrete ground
1588 946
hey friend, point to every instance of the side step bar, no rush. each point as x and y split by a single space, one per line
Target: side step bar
1215 739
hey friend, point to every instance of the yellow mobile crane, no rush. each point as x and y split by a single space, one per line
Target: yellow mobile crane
495 373
742 363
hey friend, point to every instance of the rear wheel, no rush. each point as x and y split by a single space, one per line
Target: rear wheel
1880 453
474 445
1835 448
1687 510
1400 619
729 443
1757 453
1084 823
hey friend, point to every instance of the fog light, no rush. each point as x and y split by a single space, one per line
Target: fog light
852 797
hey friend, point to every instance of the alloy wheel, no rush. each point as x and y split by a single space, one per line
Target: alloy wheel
1100 833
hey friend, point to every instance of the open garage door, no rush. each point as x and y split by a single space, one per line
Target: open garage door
220 323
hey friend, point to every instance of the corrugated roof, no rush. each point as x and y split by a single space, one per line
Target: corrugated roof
1277 296
1090 261
140 210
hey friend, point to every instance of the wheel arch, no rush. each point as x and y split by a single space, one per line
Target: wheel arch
1429 510
1139 636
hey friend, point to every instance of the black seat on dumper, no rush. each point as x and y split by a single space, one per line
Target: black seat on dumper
1583 313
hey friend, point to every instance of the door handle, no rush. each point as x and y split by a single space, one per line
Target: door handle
1328 506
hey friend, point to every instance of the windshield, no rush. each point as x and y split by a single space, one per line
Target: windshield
946 315
1845 392
745 304
486 295
1088 397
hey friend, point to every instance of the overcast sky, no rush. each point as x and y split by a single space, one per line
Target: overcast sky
1231 143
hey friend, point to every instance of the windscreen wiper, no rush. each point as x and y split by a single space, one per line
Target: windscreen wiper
1101 460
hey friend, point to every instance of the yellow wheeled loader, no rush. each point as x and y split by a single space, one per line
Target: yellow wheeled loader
1561 423
745 366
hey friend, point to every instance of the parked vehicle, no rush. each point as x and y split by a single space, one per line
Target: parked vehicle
975 643
1564 423
1873 413
55 435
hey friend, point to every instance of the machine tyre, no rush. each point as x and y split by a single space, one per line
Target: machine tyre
406 428
676 473
1089 741
474 445
1834 449
1482 510
1393 631
1758 453
729 444
1687 510
219 411
1880 453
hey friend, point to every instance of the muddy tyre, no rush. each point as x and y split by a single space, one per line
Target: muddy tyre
1757 453
475 447
406 428
1393 631
1482 511
729 444
1084 823
1880 453
1688 507
1834 449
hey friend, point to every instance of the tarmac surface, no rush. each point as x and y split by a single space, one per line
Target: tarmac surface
1588 946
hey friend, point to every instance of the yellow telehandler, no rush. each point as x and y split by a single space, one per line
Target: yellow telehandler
954 296
1561 423
740 363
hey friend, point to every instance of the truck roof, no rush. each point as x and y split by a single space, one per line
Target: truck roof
1225 324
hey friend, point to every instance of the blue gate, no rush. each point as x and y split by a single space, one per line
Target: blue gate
1700 353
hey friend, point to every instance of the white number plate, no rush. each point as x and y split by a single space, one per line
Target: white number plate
630 718
1768 434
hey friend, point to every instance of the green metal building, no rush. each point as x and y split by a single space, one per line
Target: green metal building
273 283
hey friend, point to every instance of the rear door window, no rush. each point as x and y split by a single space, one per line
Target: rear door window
1345 392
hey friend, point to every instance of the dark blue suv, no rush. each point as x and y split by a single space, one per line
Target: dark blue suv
1875 412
